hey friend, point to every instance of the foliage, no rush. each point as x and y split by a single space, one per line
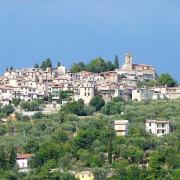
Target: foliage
63 142
46 64
97 102
38 115
7 110
116 62
96 66
30 106
166 79
16 102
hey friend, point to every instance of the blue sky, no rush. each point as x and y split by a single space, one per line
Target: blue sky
74 30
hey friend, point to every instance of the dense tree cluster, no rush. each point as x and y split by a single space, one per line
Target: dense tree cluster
64 142
97 65
162 80
30 105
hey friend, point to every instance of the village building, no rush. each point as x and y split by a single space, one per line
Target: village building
158 128
121 127
22 161
86 92
84 175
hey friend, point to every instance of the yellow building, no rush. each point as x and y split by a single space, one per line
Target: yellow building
85 175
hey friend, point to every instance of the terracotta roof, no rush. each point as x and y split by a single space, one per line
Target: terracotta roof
24 156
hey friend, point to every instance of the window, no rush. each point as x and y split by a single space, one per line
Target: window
162 131
84 94
149 124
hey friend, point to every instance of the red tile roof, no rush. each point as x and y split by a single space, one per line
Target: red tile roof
24 156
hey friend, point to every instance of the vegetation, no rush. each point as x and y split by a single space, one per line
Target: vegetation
116 62
66 142
97 102
162 80
97 65
46 64
30 106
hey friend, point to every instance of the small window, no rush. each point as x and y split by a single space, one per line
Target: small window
149 124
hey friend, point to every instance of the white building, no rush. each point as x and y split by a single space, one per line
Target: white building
142 94
158 128
22 160
121 127
86 91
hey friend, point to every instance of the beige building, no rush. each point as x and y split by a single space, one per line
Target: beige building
86 91
121 127
85 175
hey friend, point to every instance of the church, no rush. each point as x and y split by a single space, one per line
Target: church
139 71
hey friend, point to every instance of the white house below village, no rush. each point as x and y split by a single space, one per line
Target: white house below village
22 160
158 128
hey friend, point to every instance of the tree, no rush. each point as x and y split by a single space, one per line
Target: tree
16 102
30 106
97 102
31 146
38 115
58 64
116 62
36 65
97 65
46 64
12 157
76 107
77 67
109 66
166 79
7 110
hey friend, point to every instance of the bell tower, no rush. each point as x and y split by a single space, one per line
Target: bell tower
128 58
128 65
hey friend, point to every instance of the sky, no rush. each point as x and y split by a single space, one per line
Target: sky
79 30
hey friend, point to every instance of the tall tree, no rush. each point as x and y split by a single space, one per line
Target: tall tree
116 62
58 64
47 63
36 65
166 79
97 102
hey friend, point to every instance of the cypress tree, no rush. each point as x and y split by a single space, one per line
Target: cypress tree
116 62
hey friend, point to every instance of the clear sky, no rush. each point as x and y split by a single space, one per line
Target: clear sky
74 30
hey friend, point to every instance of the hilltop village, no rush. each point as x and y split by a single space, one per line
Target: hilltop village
35 83
93 122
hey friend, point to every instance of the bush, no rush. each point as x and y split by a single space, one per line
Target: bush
89 110
97 102
30 106
38 115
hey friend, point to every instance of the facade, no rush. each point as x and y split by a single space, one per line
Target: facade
85 175
31 83
142 94
158 128
22 161
86 91
121 127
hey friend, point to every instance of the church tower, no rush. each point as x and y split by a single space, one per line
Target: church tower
128 58
128 66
